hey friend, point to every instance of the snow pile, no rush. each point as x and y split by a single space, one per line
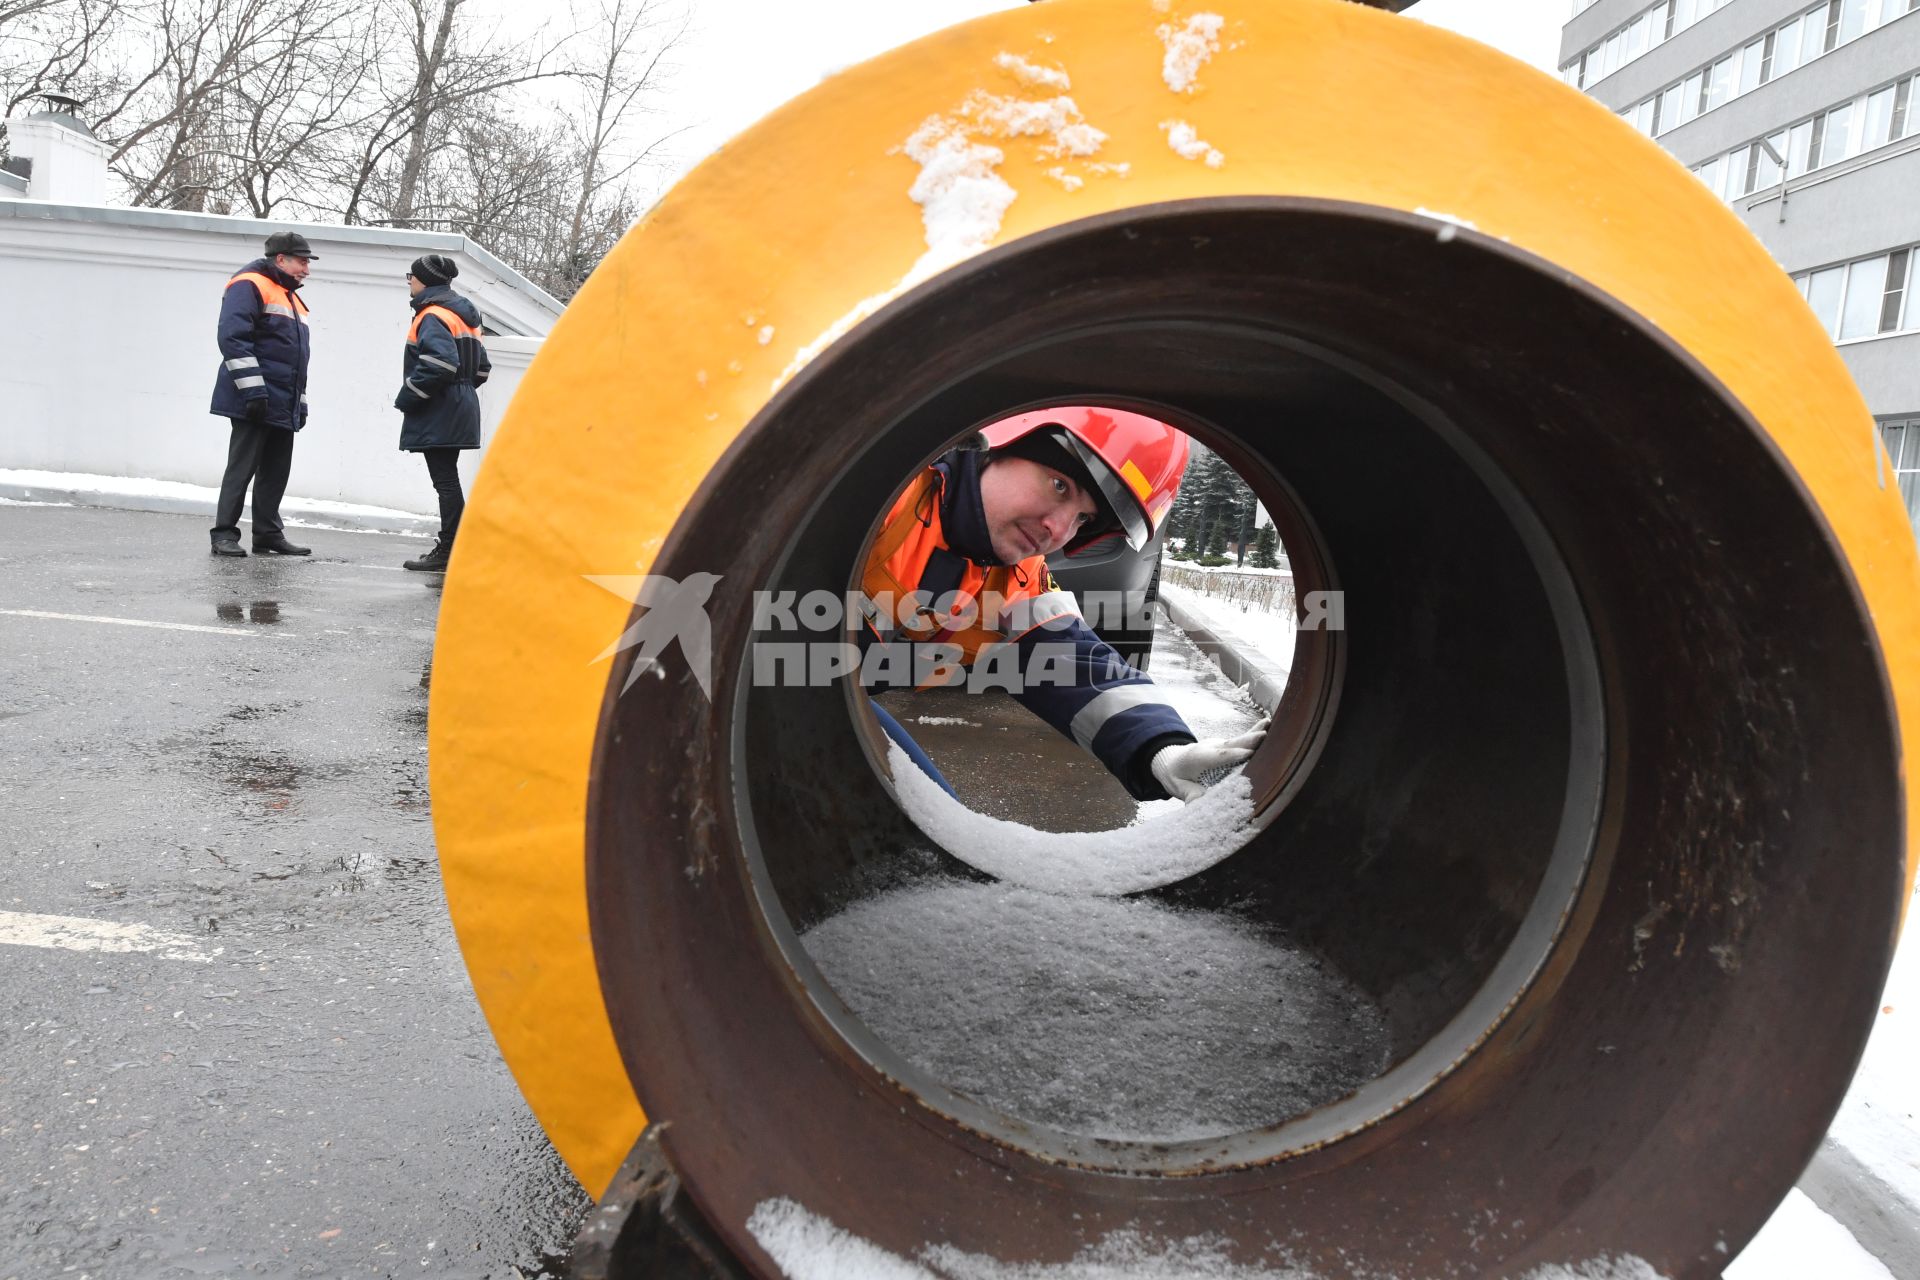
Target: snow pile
961 198
1160 851
1621 1268
1188 49
1030 75
1188 144
808 1247
1124 1255
1056 119
1122 1019
51 483
811 1248
961 195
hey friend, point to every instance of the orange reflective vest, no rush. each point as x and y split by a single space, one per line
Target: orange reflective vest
455 325
275 297
1022 596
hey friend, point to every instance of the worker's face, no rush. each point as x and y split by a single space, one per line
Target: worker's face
413 285
1031 510
293 266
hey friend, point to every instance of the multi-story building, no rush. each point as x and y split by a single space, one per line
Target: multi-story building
1805 117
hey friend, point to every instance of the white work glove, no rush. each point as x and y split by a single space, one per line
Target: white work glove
1180 768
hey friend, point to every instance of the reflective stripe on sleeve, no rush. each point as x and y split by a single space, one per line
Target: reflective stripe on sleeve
244 362
1094 716
276 309
438 363
417 391
245 383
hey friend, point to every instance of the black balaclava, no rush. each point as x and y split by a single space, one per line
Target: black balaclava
963 516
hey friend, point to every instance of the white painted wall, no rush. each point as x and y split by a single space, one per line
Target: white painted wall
107 351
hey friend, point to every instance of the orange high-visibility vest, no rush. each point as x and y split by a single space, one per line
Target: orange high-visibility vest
907 541
274 296
455 325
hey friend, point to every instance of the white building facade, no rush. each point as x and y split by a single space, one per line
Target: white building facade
1804 115
107 334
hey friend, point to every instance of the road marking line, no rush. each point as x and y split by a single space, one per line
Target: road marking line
129 622
79 933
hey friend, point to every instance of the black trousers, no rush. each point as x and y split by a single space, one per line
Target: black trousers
262 456
443 466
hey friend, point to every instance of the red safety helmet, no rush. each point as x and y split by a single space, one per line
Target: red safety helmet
1135 461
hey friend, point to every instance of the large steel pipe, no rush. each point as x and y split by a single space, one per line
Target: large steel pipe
1599 795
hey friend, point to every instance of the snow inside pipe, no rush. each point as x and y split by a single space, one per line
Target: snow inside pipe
1596 801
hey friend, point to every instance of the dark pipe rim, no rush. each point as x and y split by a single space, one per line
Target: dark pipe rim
1310 698
642 1009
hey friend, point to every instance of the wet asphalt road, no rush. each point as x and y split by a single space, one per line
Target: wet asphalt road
306 1085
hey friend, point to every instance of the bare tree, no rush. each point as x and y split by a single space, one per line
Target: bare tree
160 124
397 112
627 45
446 74
57 46
299 103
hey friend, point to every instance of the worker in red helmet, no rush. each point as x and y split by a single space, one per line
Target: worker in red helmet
965 548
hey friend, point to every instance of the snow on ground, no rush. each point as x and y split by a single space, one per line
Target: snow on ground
65 488
1177 841
1124 1019
1878 1120
1265 640
809 1247
1801 1243
128 486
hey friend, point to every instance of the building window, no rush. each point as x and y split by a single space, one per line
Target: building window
1902 438
1823 295
1842 139
1853 19
1786 48
1864 298
1866 287
1837 134
1898 264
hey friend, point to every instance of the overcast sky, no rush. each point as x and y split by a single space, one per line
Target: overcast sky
722 83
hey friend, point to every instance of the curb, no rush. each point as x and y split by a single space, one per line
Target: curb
297 512
1845 1188
1235 665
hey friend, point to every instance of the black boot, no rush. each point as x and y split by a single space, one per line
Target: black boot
276 544
227 546
435 561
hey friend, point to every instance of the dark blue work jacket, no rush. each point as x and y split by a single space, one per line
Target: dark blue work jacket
445 362
264 344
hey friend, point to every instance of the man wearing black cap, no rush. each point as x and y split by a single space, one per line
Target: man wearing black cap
444 364
262 387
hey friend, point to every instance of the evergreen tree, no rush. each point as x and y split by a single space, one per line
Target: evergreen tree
1266 548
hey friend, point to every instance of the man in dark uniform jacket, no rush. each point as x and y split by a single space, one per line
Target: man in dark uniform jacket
262 387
